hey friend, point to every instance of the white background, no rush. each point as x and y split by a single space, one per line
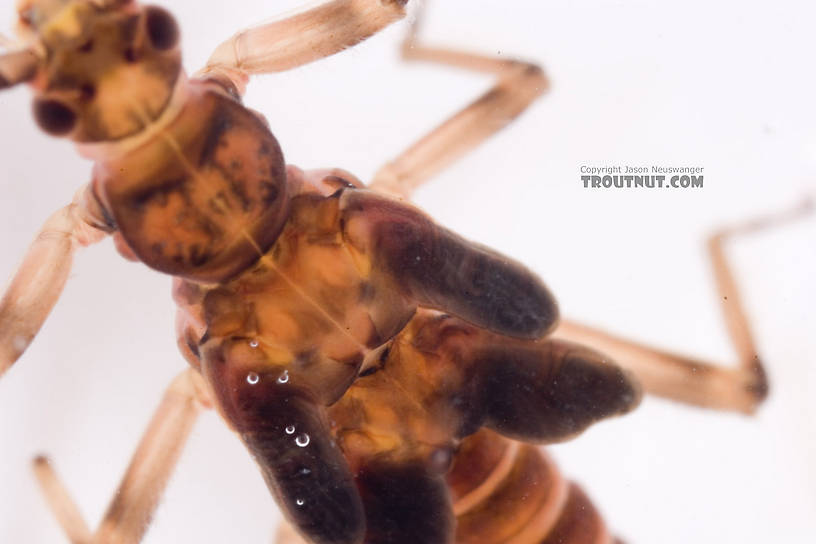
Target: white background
724 85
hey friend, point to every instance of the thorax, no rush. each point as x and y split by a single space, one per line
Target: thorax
309 304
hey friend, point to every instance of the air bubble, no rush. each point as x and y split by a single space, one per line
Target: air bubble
252 378
284 378
302 440
290 429
300 502
253 343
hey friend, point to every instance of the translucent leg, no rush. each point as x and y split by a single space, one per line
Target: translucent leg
701 383
61 503
129 513
41 277
518 84
304 37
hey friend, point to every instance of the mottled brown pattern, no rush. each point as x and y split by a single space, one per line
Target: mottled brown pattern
440 380
299 305
201 204
296 317
418 406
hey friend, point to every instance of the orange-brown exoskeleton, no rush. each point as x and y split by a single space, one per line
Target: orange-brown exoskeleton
388 376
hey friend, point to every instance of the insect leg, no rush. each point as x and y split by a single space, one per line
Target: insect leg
61 503
39 280
16 67
738 388
304 37
129 513
518 84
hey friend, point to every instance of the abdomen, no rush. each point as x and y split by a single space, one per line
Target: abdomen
508 492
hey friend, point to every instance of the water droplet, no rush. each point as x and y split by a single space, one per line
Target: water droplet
253 343
300 502
284 378
290 429
302 440
252 378
440 459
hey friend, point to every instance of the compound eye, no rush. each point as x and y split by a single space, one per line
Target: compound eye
54 117
161 28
